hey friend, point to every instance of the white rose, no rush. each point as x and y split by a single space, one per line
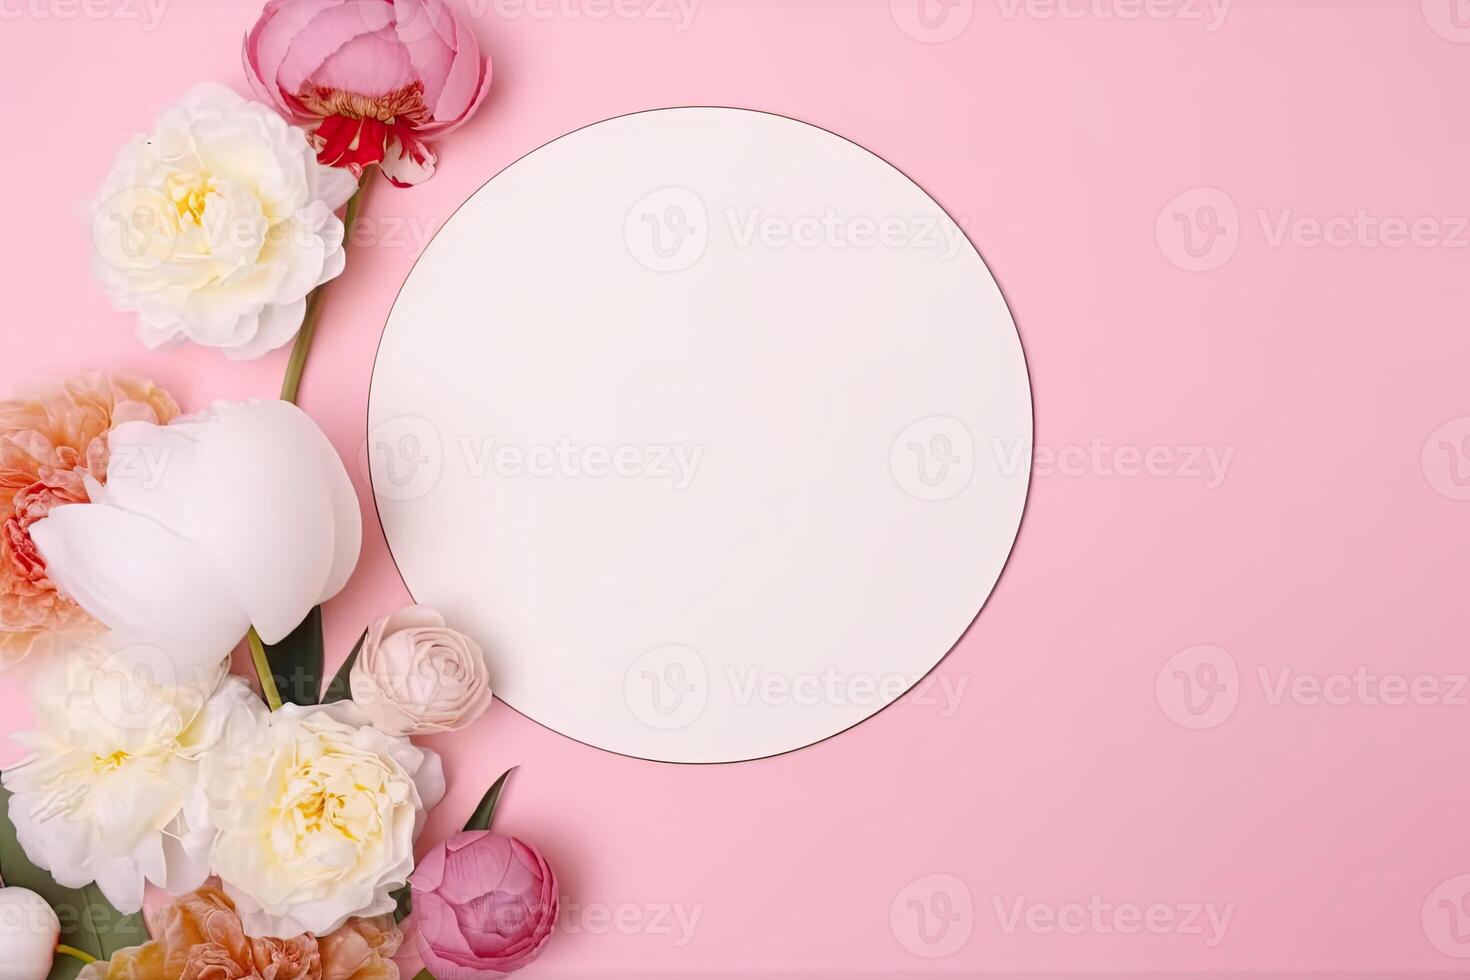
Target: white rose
316 818
416 676
216 226
116 758
241 515
29 931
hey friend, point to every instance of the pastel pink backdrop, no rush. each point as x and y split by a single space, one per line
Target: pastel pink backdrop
1057 142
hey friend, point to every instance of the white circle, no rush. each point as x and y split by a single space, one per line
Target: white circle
639 459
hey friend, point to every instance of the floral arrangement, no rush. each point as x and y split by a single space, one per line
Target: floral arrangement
140 547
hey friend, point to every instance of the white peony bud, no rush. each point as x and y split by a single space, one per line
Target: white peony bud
29 930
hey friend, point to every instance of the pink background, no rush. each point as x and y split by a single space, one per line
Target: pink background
1334 544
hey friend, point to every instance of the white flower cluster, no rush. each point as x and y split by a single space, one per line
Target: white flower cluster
307 814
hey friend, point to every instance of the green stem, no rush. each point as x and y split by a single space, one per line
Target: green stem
294 368
75 953
263 670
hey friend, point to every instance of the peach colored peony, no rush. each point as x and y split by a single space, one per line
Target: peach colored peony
199 937
51 446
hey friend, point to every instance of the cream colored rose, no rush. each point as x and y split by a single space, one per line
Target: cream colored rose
316 818
216 226
415 676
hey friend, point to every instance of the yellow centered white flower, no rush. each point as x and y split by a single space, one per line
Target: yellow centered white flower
216 226
316 818
115 760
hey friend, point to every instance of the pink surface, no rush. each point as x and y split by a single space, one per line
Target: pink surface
1074 771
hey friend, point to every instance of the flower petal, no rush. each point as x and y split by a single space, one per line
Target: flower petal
257 489
143 582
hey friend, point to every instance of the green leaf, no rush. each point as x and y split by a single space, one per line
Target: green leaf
340 689
485 812
479 820
423 975
404 899
296 662
88 922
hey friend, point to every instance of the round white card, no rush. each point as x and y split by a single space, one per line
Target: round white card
710 425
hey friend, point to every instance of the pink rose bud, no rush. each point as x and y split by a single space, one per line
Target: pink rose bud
484 905
416 676
369 79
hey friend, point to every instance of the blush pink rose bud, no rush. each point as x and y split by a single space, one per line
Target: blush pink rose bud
371 80
416 676
484 905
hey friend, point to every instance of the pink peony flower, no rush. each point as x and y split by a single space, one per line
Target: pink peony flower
52 447
370 79
484 905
